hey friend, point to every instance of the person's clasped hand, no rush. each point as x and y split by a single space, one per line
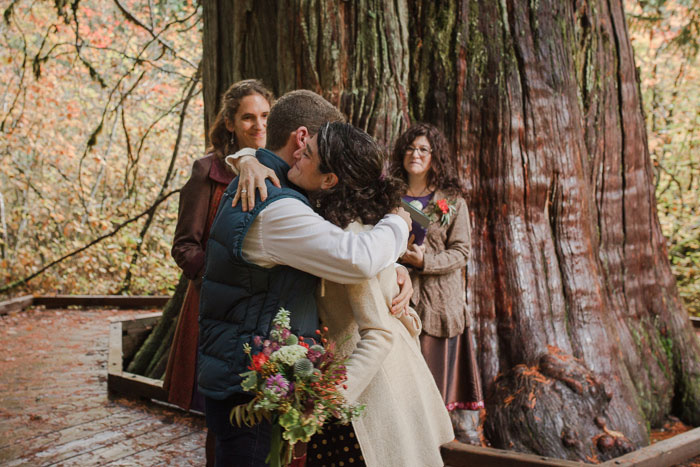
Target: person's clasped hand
401 302
414 255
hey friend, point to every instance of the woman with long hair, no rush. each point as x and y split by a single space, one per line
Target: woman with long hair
405 420
436 259
241 122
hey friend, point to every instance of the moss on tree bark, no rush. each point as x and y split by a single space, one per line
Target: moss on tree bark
152 356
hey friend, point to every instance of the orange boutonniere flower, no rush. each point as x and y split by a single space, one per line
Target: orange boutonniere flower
442 210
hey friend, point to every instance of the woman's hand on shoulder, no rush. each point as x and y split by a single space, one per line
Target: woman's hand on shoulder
252 177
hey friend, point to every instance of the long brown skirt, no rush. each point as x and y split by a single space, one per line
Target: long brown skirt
180 377
181 372
452 361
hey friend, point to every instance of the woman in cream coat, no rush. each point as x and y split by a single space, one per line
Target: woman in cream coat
404 421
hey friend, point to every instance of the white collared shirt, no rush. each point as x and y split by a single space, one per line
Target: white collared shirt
289 232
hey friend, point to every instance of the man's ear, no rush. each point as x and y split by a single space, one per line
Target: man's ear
328 181
300 136
229 125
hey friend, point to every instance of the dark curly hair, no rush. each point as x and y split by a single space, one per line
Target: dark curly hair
219 136
363 192
443 171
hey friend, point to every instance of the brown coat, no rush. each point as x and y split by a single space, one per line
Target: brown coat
439 288
190 234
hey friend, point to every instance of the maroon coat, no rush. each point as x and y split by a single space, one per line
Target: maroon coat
195 198
199 200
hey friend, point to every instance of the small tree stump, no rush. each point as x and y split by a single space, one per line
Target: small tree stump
557 408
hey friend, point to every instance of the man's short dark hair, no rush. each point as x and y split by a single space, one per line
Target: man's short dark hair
295 109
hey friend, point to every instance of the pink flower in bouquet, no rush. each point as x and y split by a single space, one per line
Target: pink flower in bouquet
257 341
277 384
313 355
267 347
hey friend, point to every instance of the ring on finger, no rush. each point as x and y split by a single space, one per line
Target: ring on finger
244 190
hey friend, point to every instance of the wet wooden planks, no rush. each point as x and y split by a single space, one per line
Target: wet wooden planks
114 301
64 301
54 408
15 304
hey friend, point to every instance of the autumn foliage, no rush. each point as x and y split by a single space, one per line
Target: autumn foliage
100 118
666 38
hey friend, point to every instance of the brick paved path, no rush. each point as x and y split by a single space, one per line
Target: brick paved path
54 408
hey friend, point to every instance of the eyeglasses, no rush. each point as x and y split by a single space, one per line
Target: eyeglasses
421 150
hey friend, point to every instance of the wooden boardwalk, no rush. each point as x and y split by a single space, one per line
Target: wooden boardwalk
54 408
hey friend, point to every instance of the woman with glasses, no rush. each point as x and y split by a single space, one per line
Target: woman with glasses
436 258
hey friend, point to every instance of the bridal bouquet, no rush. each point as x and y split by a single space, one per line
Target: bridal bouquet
296 387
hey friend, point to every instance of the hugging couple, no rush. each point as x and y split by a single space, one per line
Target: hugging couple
322 242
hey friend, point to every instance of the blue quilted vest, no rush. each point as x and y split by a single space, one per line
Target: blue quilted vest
239 299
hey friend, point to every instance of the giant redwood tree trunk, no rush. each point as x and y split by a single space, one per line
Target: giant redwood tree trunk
569 283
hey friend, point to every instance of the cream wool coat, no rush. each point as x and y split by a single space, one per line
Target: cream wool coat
405 421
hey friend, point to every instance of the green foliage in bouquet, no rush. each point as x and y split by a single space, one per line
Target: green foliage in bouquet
296 386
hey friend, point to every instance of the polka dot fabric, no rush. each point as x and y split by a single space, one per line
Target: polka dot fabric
335 447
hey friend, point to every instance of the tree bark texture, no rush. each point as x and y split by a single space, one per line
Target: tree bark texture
541 104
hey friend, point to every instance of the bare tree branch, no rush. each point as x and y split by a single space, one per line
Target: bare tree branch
168 175
7 14
78 46
20 86
38 59
127 14
3 225
119 227
131 170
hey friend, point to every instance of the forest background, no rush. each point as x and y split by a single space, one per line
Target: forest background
101 116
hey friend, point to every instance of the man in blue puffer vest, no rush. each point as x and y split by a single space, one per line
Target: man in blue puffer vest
270 257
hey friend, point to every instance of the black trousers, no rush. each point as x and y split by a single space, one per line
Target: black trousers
236 446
